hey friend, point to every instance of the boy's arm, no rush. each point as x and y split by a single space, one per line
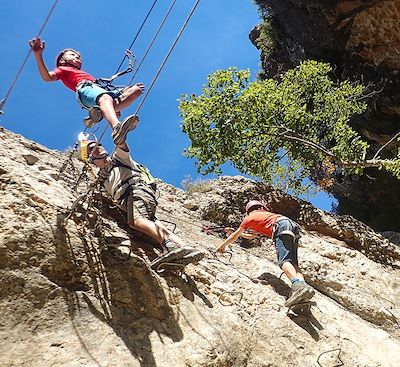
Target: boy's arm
37 47
232 237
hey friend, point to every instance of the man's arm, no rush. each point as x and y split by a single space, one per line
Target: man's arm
38 47
232 237
123 146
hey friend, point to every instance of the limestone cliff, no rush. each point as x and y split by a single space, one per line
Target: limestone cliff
78 291
361 40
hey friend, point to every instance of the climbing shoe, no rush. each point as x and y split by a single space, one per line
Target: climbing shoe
121 130
94 117
171 256
191 258
301 292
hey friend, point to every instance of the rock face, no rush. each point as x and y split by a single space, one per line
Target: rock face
361 40
78 291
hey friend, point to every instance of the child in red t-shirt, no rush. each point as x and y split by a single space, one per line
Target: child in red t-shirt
285 234
90 95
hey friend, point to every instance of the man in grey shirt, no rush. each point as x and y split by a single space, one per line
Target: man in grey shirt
133 189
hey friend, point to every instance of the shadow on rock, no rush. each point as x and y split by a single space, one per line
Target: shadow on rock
187 286
276 283
137 304
307 321
127 294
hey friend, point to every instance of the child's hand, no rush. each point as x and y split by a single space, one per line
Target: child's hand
220 249
37 45
141 87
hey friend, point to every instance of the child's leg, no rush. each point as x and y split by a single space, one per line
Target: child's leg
106 104
128 96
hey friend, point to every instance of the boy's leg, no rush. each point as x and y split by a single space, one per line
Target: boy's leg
286 248
128 96
120 129
91 96
106 104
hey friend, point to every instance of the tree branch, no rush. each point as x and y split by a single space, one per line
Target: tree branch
384 145
369 163
313 145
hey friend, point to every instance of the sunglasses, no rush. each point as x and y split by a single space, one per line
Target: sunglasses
90 151
92 146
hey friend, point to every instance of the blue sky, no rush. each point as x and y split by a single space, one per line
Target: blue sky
216 38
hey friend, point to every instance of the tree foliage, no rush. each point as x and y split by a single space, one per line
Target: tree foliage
281 131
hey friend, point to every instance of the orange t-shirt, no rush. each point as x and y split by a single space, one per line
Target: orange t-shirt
261 221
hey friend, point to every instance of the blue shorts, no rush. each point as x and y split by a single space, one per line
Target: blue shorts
286 240
89 93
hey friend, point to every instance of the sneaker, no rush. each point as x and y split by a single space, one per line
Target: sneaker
170 256
121 130
191 258
94 117
301 292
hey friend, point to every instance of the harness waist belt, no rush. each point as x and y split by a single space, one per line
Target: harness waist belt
84 83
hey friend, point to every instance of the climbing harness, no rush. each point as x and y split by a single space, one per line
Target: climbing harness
106 84
4 100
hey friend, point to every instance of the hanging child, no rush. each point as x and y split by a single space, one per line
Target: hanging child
90 95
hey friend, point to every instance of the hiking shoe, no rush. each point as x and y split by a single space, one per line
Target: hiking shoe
170 256
121 130
301 292
94 117
191 258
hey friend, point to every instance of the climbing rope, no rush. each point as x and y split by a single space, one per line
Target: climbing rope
152 41
4 100
137 34
167 56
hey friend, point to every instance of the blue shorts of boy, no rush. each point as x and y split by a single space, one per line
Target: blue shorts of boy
286 244
89 93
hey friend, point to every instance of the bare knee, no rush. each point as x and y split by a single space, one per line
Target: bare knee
137 223
131 93
105 99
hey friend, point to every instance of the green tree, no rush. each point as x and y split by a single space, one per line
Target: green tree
281 131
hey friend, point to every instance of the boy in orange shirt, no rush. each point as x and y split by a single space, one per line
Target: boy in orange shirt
90 95
285 234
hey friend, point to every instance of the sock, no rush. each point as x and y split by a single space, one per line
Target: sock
296 280
169 244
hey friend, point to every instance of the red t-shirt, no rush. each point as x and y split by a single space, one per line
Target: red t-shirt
261 221
71 76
